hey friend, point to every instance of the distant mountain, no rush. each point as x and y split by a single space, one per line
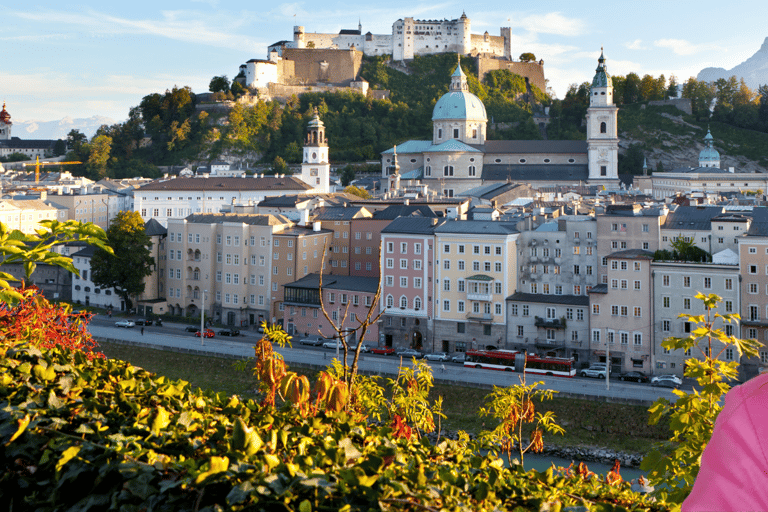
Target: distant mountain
754 70
58 129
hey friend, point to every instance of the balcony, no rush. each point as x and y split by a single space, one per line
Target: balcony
550 323
480 317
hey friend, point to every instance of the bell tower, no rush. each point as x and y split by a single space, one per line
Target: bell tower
315 168
602 129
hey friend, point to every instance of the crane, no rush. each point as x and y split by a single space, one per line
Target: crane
38 163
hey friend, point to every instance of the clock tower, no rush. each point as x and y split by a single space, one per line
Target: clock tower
315 168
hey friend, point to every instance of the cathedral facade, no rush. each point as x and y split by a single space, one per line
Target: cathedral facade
459 158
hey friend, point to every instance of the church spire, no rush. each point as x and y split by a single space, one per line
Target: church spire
459 79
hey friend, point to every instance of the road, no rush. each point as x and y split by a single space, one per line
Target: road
173 336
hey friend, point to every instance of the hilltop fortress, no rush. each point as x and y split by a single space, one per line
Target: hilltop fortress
317 61
411 37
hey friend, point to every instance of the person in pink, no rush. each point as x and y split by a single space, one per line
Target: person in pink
734 465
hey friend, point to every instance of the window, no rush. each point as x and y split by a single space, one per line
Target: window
446 305
595 309
525 310
390 263
687 281
624 310
707 282
637 285
638 338
446 285
596 335
665 325
447 264
513 310
460 306
615 310
686 303
448 170
403 264
729 283
403 282
638 311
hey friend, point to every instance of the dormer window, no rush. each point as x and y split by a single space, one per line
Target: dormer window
455 133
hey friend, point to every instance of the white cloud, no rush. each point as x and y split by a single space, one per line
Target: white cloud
217 30
637 44
683 47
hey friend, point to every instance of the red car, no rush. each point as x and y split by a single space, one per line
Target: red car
208 333
384 351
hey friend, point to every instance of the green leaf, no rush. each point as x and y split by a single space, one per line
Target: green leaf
305 506
217 465
162 420
66 456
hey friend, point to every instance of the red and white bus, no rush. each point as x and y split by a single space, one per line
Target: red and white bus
507 360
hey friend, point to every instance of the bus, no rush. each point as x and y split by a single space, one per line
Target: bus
508 360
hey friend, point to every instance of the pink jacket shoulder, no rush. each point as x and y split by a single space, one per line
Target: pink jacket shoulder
734 466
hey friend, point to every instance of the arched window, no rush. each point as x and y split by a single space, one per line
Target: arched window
196 293
439 133
472 171
448 170
603 128
390 301
196 275
428 171
197 255
417 303
403 302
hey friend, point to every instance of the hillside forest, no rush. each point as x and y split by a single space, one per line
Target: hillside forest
175 128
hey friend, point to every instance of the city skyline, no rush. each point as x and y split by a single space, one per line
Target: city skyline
93 60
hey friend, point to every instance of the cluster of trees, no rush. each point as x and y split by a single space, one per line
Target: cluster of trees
728 101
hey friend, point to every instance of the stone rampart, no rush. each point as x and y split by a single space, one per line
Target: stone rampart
533 71
312 65
683 104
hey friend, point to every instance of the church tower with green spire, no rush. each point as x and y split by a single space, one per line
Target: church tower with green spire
602 129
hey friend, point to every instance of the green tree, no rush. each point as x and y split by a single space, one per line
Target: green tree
131 262
34 249
673 466
632 86
527 57
60 148
357 191
99 152
520 427
673 90
346 175
279 166
219 84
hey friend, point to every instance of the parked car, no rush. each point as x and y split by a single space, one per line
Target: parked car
634 376
333 344
666 381
437 356
229 332
124 323
208 333
144 321
459 357
383 351
192 328
409 352
314 339
363 349
596 370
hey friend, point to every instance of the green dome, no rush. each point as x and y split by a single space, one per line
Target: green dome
709 153
459 105
602 78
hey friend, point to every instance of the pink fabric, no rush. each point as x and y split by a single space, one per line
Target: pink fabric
734 466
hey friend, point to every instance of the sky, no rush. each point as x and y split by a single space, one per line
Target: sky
93 58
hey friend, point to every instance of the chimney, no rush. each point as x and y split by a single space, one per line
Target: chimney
315 226
304 217
731 169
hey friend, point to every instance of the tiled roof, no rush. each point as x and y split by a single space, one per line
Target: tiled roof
413 225
533 146
451 146
411 146
339 213
697 218
336 282
476 227
154 228
244 218
402 210
267 183
570 300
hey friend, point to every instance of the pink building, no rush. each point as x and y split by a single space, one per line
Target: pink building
407 282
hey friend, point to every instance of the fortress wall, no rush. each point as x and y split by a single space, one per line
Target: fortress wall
531 70
320 40
283 92
312 65
493 45
683 104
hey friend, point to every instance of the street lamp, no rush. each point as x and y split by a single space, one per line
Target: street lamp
607 363
202 319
